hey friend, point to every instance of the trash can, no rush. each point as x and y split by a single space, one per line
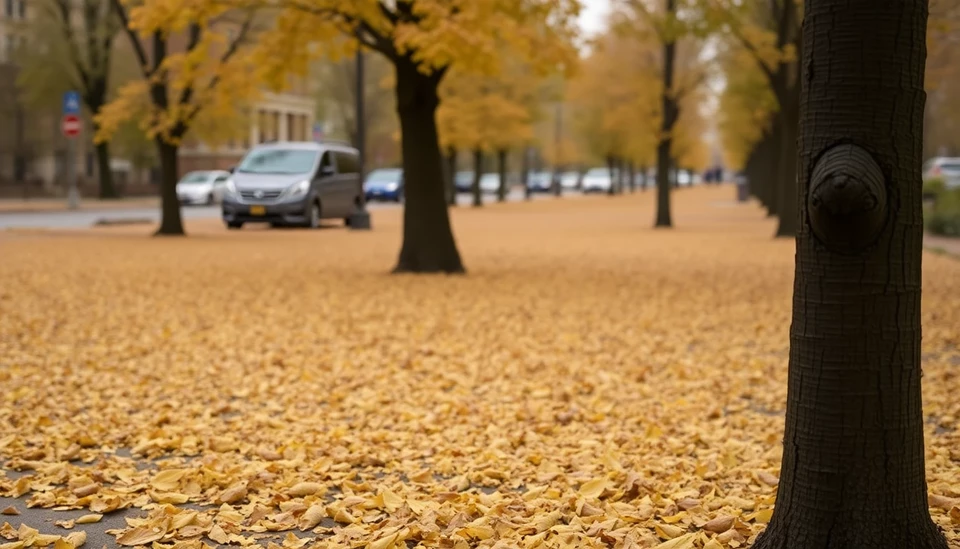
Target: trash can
743 189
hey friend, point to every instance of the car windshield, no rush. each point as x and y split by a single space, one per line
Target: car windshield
196 177
598 172
278 161
464 176
950 167
384 176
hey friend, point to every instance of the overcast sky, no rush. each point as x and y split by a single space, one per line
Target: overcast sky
593 15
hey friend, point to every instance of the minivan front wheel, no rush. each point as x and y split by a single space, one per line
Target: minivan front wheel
313 217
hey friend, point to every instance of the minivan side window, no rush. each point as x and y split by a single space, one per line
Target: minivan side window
325 161
347 163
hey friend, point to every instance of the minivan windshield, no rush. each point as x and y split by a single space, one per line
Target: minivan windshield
385 175
278 161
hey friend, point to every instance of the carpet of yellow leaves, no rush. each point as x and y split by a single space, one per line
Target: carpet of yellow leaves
590 383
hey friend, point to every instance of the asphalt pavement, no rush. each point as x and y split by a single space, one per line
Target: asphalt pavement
78 219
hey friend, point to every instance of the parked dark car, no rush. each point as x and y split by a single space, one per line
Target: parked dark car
297 184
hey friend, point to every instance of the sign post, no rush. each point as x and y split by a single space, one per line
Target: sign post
70 126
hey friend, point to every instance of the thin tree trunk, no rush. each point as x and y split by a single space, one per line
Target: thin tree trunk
772 175
477 174
525 168
852 475
452 177
644 170
170 221
612 167
428 243
633 177
502 170
105 173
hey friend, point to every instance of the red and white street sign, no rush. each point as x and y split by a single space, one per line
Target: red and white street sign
70 125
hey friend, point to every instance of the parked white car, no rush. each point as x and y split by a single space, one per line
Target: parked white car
569 181
202 187
596 180
489 183
945 168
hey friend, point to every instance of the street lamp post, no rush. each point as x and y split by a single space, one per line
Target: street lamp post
360 219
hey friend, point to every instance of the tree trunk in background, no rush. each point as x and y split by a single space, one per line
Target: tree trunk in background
428 244
643 177
670 113
452 177
170 221
789 115
633 177
105 173
772 165
502 170
525 169
611 167
477 174
852 475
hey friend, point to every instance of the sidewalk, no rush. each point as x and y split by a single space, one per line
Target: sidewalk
950 246
37 205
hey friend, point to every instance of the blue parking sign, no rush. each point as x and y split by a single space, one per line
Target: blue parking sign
71 103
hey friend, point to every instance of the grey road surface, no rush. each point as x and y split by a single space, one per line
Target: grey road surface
87 218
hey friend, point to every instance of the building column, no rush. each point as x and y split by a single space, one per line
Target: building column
282 126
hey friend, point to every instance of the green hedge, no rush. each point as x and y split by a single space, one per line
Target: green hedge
941 213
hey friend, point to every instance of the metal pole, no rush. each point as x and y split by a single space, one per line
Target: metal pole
73 196
360 220
361 123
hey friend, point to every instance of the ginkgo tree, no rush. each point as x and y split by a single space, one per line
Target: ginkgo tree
196 64
488 114
677 27
770 34
424 40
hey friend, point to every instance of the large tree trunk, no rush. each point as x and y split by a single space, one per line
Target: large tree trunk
670 113
452 177
428 244
170 221
104 173
502 170
852 475
477 174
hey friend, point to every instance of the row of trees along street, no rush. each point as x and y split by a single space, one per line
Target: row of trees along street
479 77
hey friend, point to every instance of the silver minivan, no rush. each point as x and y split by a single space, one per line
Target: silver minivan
293 184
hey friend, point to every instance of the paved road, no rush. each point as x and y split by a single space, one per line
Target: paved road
87 218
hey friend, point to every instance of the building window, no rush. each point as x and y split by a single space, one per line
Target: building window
90 164
263 127
275 126
9 8
291 127
23 9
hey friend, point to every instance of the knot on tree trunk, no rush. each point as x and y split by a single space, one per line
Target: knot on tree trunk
847 199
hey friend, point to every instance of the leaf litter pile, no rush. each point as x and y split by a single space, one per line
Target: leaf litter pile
590 383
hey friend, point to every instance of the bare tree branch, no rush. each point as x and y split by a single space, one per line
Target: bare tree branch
138 48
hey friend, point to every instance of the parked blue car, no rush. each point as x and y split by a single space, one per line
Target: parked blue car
384 184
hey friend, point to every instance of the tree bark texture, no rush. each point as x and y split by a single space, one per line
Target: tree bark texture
170 222
428 243
502 170
852 475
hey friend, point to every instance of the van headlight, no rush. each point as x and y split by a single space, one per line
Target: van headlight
230 188
298 189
